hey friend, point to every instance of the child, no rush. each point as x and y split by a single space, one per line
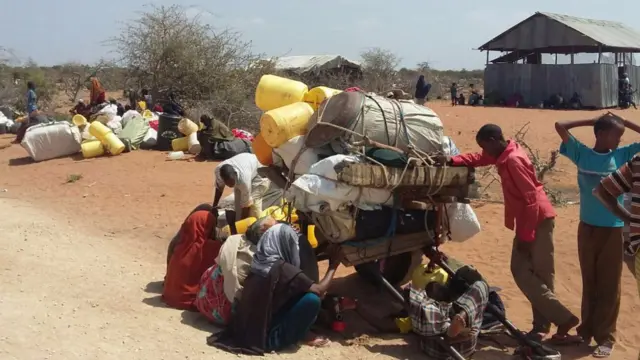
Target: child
600 231
528 208
454 94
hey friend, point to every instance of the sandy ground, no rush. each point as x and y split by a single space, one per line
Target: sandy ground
80 261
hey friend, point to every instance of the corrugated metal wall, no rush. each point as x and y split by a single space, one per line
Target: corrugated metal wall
597 84
634 78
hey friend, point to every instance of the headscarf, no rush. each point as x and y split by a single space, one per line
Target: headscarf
194 253
280 242
421 83
96 90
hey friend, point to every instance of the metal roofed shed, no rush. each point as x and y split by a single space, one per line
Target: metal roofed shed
520 70
316 64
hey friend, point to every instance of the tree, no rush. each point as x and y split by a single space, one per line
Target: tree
74 77
379 66
167 50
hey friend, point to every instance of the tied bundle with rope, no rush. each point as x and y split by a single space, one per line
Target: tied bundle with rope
355 123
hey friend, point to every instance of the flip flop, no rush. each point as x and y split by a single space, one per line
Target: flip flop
319 342
603 351
566 339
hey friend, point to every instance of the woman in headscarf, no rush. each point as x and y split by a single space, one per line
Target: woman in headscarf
97 94
221 285
190 254
422 90
173 107
289 301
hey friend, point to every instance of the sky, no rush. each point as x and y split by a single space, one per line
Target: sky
443 33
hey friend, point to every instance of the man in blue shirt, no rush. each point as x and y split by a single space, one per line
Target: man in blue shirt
600 242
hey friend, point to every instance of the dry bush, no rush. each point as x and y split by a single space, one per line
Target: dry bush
13 83
541 165
74 77
166 50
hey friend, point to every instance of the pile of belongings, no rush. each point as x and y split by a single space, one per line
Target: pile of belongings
361 163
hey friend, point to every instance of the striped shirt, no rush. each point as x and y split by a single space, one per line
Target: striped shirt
627 180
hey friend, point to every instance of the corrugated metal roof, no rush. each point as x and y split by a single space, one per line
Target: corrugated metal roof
605 32
306 63
549 30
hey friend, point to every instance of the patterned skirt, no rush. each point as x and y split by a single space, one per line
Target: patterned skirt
211 301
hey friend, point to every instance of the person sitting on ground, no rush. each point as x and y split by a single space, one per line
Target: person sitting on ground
190 254
289 300
453 311
221 285
80 109
173 107
241 174
216 129
528 211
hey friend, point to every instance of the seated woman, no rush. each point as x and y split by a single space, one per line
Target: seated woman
221 285
289 301
453 311
190 254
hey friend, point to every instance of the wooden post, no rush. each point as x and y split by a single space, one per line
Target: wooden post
556 58
487 57
599 54
615 55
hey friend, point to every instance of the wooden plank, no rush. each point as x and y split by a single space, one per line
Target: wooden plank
398 244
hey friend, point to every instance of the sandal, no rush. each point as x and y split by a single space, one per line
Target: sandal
319 342
603 351
566 339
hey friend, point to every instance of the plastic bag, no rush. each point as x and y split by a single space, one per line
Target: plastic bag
463 223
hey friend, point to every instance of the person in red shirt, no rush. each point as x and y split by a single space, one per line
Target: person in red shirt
527 210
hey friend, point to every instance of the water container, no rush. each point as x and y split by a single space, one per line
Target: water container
99 130
421 276
92 148
279 125
274 92
180 144
167 131
113 144
187 127
262 150
311 236
241 226
193 144
142 105
79 120
318 94
147 114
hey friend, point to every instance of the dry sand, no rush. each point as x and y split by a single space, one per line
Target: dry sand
80 261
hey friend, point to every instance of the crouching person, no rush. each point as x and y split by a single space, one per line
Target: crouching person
453 312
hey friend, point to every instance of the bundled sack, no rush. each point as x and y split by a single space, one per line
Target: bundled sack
134 132
289 150
320 187
380 176
387 121
52 140
463 222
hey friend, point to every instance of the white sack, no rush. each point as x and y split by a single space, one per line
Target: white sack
463 223
288 151
52 140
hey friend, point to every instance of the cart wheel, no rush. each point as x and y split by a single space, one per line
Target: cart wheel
395 269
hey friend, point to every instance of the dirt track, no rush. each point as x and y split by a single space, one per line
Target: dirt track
76 259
